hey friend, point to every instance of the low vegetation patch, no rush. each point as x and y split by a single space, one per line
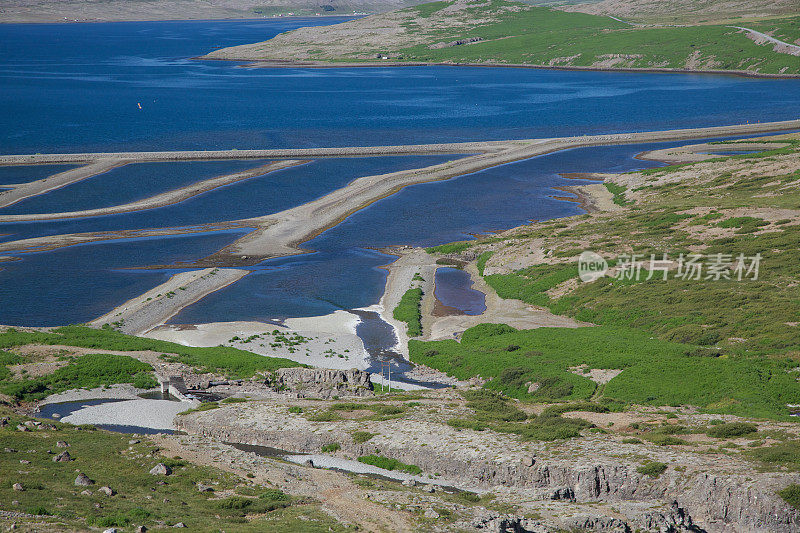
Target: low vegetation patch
652 469
408 311
732 430
88 371
219 360
109 460
389 464
791 495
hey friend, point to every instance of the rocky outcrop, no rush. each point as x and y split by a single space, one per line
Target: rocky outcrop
711 495
322 383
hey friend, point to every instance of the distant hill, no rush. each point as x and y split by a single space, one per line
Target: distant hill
110 10
501 32
688 11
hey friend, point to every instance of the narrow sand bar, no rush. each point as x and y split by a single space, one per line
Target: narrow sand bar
163 199
22 191
281 234
159 304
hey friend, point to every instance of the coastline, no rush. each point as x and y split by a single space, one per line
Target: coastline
273 63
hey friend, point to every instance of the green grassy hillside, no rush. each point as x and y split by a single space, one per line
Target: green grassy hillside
515 33
723 345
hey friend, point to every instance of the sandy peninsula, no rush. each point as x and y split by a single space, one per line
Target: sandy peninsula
159 304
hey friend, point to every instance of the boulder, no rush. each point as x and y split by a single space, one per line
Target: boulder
179 524
161 470
63 457
18 487
83 480
409 483
141 529
61 444
86 492
20 427
108 491
430 513
204 488
24 462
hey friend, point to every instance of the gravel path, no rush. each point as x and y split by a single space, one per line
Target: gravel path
782 46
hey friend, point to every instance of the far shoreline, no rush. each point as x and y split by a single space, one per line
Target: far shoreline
199 19
292 63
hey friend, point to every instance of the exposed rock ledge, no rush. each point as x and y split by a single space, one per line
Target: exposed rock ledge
322 382
711 492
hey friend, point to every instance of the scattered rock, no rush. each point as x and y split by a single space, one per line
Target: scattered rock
18 487
204 488
108 491
86 492
430 488
3 422
179 524
309 462
61 444
141 529
24 462
63 457
111 530
20 427
409 483
134 441
83 480
10 450
161 470
430 513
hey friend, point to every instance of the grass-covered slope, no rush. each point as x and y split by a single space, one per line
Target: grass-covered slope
496 31
93 370
51 501
723 345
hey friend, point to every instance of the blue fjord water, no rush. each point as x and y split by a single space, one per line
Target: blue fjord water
72 88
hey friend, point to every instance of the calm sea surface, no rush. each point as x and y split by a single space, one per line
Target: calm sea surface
78 87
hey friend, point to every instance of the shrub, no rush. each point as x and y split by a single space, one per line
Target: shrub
652 469
482 331
295 409
360 437
732 430
791 495
234 400
332 447
408 311
234 503
389 464
274 495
